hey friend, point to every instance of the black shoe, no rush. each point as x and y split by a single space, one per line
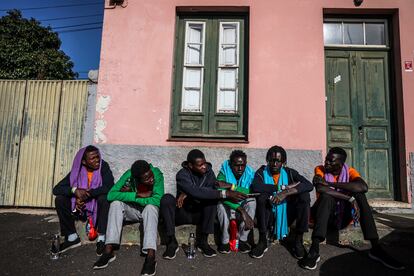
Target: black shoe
258 251
206 250
104 260
244 247
100 247
310 262
378 254
171 251
224 248
66 245
299 251
149 267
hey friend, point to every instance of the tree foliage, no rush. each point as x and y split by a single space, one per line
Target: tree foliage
31 51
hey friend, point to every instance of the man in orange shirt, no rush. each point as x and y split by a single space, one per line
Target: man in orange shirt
341 189
82 194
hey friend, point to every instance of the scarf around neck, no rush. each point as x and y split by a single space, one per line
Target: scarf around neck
279 210
244 181
340 206
79 178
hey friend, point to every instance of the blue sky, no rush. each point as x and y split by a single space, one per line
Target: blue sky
78 22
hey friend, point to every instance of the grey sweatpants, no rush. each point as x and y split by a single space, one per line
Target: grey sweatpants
224 212
120 211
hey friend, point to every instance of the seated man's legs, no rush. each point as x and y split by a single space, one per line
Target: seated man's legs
323 209
67 223
250 206
263 213
173 216
150 221
118 212
223 214
101 222
167 209
367 222
298 208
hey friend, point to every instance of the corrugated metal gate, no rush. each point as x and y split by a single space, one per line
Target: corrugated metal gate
41 126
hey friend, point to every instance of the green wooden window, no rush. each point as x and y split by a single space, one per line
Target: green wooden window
209 88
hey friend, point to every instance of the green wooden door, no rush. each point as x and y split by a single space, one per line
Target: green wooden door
358 114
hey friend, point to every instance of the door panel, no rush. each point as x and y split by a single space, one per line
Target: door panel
339 102
374 122
358 114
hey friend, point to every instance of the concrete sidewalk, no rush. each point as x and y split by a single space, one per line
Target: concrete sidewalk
25 242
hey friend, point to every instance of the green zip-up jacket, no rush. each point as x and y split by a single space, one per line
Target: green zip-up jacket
154 199
232 205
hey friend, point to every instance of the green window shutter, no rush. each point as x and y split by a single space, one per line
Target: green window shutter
215 117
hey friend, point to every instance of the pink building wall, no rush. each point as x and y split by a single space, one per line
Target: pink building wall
286 74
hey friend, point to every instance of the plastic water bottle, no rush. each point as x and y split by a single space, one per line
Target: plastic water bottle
54 250
237 241
191 246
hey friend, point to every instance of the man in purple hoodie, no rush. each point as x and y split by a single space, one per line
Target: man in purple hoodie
82 194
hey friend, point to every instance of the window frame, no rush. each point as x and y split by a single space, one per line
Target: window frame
363 21
213 123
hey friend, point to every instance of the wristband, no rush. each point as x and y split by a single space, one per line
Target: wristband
352 199
223 194
73 190
233 187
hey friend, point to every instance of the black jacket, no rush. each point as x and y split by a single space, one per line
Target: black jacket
197 186
63 187
258 185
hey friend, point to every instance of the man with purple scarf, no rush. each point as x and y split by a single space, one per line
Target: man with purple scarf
82 194
341 189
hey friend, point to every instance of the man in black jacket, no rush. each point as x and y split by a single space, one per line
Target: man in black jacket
294 193
83 193
196 203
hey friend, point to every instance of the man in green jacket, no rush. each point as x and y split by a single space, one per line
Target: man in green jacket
135 197
236 175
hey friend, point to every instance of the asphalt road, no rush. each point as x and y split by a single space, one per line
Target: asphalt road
25 244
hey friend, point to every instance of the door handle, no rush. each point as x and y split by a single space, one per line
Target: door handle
360 131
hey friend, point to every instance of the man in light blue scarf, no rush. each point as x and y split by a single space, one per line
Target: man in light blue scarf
235 174
284 197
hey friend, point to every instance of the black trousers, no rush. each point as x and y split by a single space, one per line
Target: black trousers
201 213
298 208
67 219
323 213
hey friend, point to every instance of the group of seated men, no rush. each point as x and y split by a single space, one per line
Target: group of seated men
275 195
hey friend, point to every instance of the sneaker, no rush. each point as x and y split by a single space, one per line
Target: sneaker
66 245
224 248
244 247
171 251
149 267
258 251
299 251
206 250
378 254
310 262
104 260
100 247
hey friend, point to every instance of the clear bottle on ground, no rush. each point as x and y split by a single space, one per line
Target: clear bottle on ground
54 250
191 246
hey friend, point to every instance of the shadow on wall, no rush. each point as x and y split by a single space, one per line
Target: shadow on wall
399 244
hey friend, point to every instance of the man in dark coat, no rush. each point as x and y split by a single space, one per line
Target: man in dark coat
82 194
284 196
